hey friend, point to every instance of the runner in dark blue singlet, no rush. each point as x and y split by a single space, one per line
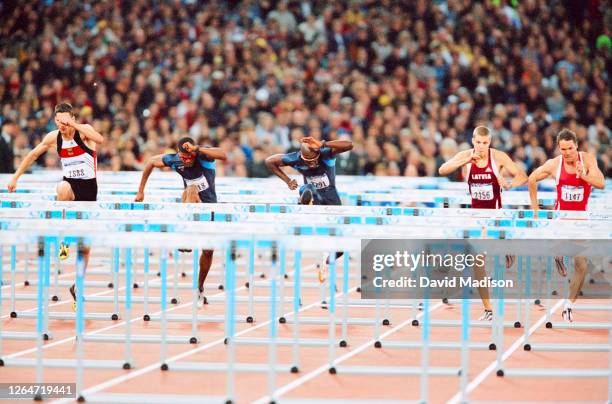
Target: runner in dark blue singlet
316 161
196 165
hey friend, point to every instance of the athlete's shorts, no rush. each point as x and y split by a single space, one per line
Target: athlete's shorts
322 198
84 190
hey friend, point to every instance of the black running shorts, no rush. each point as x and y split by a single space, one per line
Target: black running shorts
84 190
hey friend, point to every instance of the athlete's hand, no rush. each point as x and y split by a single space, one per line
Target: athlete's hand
12 185
504 183
191 147
470 158
580 171
292 184
69 121
313 143
139 197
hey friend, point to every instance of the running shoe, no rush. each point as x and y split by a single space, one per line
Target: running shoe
323 268
64 251
568 314
560 264
73 293
486 316
202 300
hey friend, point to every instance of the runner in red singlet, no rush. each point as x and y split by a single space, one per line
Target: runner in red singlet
483 167
575 174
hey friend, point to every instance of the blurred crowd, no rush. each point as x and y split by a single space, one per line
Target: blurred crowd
406 81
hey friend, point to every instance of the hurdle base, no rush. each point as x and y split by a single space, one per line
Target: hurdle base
481 346
527 372
313 342
580 326
570 347
144 339
187 318
458 323
397 370
224 367
66 315
66 363
326 321
20 336
125 398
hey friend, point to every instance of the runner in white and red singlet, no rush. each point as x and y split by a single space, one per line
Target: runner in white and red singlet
575 174
483 166
76 145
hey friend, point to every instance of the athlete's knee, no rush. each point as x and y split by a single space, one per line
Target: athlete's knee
190 195
207 253
64 192
309 187
580 264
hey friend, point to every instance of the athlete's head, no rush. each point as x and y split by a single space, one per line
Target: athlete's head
62 113
568 145
481 139
188 157
310 157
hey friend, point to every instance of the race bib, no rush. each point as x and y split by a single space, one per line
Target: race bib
200 183
572 194
78 169
75 173
321 181
482 192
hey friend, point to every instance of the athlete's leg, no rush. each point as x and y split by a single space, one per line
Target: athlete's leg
580 271
480 273
308 194
205 264
64 192
190 195
323 266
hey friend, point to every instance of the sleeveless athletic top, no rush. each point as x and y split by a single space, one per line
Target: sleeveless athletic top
483 185
572 193
78 160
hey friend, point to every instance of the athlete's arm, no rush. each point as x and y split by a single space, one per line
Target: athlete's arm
591 172
48 142
155 161
518 175
89 132
462 158
540 173
214 153
336 146
274 164
85 129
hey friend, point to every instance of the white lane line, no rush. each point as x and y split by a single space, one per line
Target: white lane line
65 340
493 365
325 368
121 323
157 365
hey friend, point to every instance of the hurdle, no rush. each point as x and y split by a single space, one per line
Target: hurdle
479 223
